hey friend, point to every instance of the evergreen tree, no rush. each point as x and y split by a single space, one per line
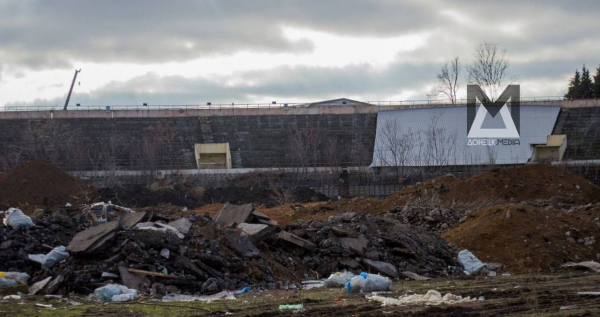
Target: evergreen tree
574 91
587 88
597 83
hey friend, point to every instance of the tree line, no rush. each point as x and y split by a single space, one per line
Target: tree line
581 85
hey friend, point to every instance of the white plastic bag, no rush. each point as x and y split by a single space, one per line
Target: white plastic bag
105 293
367 283
470 262
338 279
8 279
49 260
16 219
125 296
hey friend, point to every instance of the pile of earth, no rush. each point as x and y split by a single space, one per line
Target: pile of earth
530 237
41 184
209 258
265 196
512 184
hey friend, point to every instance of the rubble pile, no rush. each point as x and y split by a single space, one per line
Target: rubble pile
430 217
358 241
531 237
161 254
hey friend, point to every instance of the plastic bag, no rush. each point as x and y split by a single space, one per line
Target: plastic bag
470 262
16 219
338 279
125 296
49 260
367 283
105 293
8 279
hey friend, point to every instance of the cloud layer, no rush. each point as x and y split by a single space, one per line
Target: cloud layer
181 52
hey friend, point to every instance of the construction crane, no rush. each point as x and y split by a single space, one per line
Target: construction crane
71 90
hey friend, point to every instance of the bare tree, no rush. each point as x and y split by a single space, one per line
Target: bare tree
448 80
304 146
489 69
395 148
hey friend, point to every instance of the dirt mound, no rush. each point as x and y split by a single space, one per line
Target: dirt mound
529 238
38 184
513 184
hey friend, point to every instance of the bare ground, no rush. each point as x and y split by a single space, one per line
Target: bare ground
525 295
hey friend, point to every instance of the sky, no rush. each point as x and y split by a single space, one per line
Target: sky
188 52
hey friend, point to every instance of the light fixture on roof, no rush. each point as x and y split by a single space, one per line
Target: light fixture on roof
209 103
273 102
145 104
78 105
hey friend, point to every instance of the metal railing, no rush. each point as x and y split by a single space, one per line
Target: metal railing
230 106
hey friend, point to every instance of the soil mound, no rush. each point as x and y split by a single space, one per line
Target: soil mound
514 184
529 237
137 196
40 184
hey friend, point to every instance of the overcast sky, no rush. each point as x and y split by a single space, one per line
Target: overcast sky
223 51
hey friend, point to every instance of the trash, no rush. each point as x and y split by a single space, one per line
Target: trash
8 279
109 275
242 291
367 283
432 297
293 307
338 279
339 299
49 260
111 292
224 295
16 219
8 297
589 293
470 262
44 305
310 284
592 265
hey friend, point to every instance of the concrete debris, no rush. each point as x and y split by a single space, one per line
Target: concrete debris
382 267
37 287
242 245
233 215
129 220
415 276
134 281
358 245
93 239
294 239
182 225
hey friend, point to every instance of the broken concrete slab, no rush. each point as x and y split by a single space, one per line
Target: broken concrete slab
131 280
294 239
167 227
415 276
52 287
37 287
93 239
256 232
242 245
358 245
349 263
129 220
233 214
382 267
182 225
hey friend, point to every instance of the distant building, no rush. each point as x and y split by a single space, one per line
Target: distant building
338 102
